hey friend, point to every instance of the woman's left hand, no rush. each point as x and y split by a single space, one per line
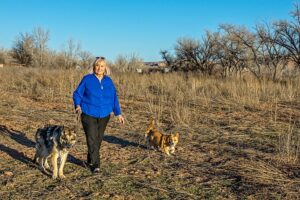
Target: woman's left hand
121 119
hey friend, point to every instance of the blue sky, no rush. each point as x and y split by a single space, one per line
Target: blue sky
124 27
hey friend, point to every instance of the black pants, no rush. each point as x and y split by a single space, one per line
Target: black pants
94 130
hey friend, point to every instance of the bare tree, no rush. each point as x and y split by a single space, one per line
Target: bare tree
23 49
288 35
4 56
186 51
86 59
121 63
194 55
231 55
167 57
128 63
251 46
71 52
40 38
272 55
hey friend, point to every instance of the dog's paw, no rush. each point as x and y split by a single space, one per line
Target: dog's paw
54 176
42 168
61 176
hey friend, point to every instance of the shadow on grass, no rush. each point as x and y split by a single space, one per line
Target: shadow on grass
21 138
16 136
122 142
76 161
16 154
21 157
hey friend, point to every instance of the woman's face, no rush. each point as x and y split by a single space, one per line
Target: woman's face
99 68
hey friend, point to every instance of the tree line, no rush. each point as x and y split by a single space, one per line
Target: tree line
32 50
268 49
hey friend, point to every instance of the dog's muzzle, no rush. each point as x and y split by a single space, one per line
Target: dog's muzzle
67 145
70 146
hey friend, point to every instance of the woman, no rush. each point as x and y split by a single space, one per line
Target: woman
95 98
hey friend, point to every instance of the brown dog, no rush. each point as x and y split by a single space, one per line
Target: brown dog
165 143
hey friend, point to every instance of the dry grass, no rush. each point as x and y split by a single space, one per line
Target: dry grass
239 138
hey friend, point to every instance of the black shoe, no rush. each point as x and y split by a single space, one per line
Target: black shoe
96 170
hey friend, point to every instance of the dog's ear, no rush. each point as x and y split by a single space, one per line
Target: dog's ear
152 123
62 129
177 135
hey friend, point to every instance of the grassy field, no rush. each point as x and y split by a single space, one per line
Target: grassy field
239 139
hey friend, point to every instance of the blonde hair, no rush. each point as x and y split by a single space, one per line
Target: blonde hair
101 59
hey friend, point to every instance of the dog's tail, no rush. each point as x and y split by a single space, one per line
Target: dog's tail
38 134
38 138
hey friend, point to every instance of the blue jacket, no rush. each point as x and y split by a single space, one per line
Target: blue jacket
97 99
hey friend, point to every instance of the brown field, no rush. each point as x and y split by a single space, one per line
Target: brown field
239 139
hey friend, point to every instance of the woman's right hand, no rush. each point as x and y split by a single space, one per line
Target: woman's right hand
78 110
